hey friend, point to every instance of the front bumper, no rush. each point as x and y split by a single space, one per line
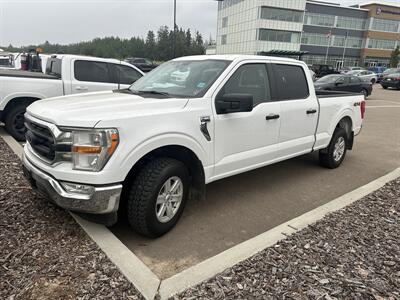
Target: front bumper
393 83
103 199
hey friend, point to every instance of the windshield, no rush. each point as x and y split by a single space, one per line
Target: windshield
184 78
328 79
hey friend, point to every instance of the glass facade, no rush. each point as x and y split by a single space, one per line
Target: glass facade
225 22
381 44
336 41
319 20
385 25
287 15
223 39
279 36
351 23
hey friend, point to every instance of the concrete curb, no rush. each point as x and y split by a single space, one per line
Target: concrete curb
150 285
214 265
128 263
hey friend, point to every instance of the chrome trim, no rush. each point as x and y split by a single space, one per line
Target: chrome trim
105 199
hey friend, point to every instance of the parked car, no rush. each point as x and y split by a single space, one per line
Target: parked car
65 75
378 71
391 81
323 70
390 71
364 75
344 83
144 64
348 69
150 148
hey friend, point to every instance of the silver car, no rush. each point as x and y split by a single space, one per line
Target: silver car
364 75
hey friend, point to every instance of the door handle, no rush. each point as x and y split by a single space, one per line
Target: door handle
272 117
311 111
81 88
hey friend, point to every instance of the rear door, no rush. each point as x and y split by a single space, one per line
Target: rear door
355 84
91 76
246 140
299 109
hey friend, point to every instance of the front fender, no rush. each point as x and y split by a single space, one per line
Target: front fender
132 156
12 96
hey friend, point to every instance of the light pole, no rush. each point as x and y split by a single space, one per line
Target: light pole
174 37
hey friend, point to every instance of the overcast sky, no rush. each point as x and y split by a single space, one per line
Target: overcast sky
24 22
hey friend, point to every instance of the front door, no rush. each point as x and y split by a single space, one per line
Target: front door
247 140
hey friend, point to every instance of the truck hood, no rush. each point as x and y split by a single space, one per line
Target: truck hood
86 110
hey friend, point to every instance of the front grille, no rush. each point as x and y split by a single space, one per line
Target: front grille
41 140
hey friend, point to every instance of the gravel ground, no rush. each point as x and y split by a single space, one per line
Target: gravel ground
44 254
351 254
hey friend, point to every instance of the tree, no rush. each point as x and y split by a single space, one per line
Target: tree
151 46
155 46
395 57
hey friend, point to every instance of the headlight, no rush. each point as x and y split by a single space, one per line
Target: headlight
93 148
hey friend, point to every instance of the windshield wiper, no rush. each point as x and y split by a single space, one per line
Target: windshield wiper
154 93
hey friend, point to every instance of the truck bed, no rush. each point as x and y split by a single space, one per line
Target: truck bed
329 94
25 74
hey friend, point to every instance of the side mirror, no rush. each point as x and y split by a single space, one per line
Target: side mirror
233 103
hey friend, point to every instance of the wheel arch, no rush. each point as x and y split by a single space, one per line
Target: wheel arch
27 100
346 123
179 152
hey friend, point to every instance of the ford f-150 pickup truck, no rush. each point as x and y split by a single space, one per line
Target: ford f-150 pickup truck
65 74
144 151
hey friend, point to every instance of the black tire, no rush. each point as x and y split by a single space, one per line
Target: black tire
142 197
384 87
326 156
365 92
373 80
14 121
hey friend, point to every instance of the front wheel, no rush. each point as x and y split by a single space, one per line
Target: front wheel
157 197
384 87
333 156
15 122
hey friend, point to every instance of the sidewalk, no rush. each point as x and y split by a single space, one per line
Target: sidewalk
44 254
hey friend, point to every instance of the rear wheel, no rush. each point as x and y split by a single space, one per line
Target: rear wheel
384 87
365 93
158 196
334 154
15 122
373 80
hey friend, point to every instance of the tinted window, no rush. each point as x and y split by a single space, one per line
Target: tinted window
126 75
91 71
355 80
53 67
343 80
249 79
291 82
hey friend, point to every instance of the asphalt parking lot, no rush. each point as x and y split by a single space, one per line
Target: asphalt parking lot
243 206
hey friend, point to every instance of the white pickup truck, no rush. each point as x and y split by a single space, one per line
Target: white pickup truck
65 75
145 150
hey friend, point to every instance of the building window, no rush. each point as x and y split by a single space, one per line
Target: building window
351 23
381 44
385 25
223 39
319 20
228 3
314 39
318 39
279 36
286 15
225 22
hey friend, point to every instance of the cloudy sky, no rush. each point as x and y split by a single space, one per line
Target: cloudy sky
24 22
